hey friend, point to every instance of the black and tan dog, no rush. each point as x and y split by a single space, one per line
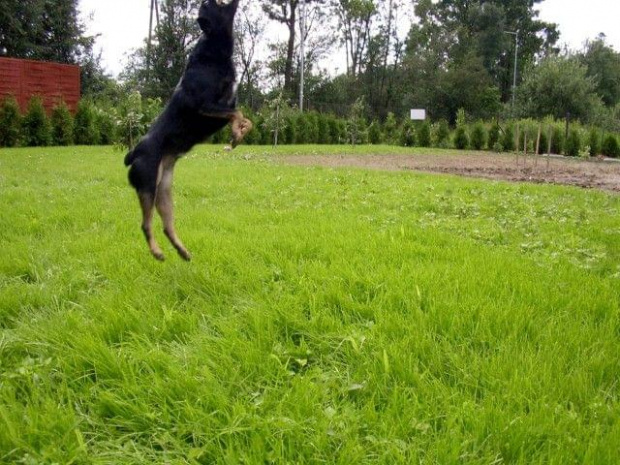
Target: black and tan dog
203 102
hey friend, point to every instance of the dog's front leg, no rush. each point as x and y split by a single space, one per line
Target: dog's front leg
240 125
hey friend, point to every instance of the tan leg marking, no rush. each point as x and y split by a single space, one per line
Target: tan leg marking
165 206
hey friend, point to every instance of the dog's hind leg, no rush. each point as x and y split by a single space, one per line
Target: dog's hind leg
165 206
147 203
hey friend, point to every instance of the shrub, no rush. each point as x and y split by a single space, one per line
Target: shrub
288 132
10 123
424 134
441 134
84 125
375 136
594 141
461 141
390 130
323 126
478 136
573 143
508 139
557 140
494 135
544 143
36 129
105 121
62 125
407 134
610 146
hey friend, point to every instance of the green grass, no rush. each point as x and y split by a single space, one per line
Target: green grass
328 316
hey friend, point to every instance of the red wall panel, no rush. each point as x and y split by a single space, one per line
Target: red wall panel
51 81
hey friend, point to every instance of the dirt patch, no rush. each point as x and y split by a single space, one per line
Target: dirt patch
597 174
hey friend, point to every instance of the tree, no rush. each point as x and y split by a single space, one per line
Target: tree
355 20
249 31
603 66
43 30
157 75
558 86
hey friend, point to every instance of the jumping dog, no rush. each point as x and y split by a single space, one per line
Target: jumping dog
203 102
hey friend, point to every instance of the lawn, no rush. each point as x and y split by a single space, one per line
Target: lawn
329 316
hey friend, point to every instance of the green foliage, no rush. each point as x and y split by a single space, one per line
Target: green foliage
85 131
557 139
544 142
390 130
357 130
573 143
375 136
323 130
132 123
508 139
494 137
441 134
594 142
36 129
610 146
62 125
10 123
461 140
558 86
424 134
106 122
407 134
478 136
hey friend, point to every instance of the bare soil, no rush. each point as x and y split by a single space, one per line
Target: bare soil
601 174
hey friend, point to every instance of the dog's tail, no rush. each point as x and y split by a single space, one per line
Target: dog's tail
130 157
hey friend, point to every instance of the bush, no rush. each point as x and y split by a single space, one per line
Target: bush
36 129
105 121
610 146
424 134
508 139
478 137
375 136
323 126
461 141
62 125
494 135
557 140
544 143
84 125
594 142
390 130
441 134
573 143
407 134
10 123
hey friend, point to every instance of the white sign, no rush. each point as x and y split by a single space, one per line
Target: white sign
418 115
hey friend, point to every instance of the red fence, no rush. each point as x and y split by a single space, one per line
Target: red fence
52 81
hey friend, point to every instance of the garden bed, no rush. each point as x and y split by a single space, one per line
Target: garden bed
596 173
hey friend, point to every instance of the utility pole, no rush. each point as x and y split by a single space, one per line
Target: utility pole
514 74
302 53
154 9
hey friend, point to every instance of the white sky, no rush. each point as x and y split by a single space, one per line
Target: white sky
124 24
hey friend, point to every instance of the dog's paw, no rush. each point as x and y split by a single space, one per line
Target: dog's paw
185 255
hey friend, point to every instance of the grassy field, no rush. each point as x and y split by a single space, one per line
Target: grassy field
328 316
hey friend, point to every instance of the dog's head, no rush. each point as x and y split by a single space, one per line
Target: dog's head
217 16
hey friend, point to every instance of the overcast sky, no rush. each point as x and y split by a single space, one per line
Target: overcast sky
123 24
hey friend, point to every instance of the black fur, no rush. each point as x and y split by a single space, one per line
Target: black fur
206 88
